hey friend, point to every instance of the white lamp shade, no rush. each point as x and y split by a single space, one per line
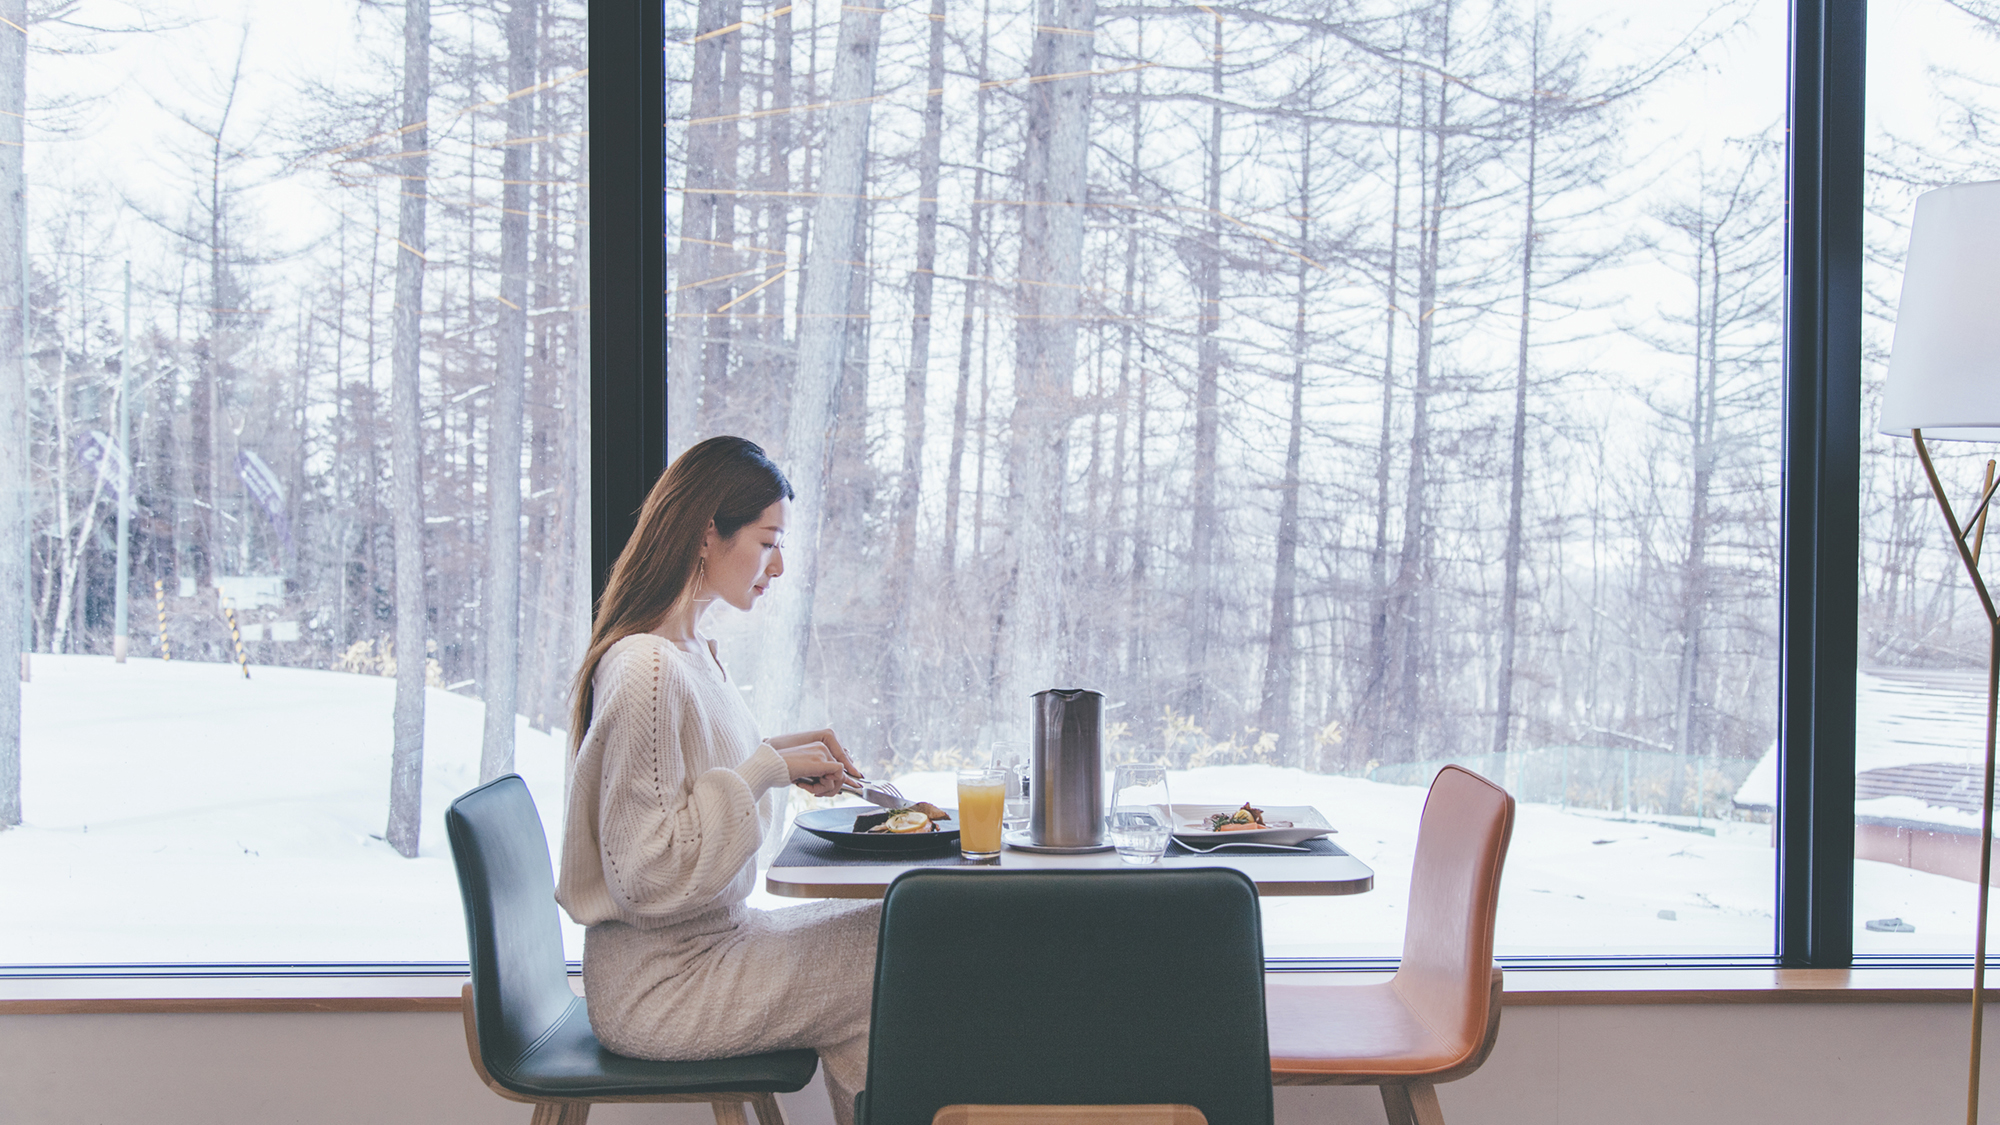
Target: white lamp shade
1944 368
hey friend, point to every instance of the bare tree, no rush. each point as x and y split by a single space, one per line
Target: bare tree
699 346
1280 650
1202 508
1729 329
974 288
406 437
1055 189
823 326
14 592
502 596
903 564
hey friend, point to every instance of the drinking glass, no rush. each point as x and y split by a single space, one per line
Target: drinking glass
982 796
1012 757
1141 813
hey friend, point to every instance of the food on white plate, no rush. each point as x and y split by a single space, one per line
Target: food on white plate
910 819
1245 819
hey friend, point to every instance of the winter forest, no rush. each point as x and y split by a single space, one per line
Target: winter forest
1336 384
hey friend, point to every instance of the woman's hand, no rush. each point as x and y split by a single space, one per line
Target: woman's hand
817 762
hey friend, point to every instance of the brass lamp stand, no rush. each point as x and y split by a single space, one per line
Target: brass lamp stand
1975 530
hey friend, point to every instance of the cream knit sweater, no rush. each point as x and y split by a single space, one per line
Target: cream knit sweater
669 793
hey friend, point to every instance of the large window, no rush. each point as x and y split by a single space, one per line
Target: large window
1921 707
315 305
1344 391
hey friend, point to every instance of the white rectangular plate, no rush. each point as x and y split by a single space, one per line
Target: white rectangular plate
1307 824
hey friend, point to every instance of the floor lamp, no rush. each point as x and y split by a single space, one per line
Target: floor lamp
1944 385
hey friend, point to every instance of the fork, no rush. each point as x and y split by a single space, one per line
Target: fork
861 788
1240 844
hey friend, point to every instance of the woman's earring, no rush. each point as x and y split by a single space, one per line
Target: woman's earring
700 569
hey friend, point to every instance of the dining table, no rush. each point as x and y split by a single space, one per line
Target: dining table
809 867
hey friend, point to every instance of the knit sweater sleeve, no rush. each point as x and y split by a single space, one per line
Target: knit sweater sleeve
673 833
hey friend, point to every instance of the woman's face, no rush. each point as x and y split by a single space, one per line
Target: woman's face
740 568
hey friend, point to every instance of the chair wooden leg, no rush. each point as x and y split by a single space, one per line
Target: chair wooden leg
560 1113
769 1112
1424 1104
1396 1103
728 1113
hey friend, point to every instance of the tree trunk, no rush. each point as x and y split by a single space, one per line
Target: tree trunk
900 664
1370 709
13 400
1274 715
850 477
1407 595
823 337
502 598
406 769
1132 526
1517 465
1208 381
1056 192
955 470
696 295
724 261
212 359
1701 427
774 363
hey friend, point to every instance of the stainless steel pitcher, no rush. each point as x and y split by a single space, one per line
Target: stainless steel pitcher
1066 801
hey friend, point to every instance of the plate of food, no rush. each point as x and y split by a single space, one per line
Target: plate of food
919 827
1205 826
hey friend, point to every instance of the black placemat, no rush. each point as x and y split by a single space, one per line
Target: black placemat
807 850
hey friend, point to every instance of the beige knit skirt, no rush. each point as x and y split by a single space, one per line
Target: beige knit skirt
740 981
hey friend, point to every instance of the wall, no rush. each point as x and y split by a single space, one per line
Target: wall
1625 1065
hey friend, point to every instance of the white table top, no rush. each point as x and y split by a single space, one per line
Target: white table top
1273 874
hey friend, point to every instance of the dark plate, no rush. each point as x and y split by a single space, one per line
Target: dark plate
837 827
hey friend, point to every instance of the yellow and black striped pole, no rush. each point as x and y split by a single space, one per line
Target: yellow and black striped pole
160 603
235 636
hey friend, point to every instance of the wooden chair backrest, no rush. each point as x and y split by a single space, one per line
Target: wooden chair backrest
1447 972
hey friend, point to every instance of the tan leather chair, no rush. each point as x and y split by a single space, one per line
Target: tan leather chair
1437 1018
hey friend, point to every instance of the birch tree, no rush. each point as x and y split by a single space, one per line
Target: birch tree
1055 193
823 325
14 591
406 436
903 563
502 596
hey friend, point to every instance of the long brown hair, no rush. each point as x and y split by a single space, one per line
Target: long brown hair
727 481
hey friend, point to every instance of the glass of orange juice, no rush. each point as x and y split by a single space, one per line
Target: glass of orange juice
982 796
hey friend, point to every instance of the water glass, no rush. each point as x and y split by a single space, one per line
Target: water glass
1012 757
1141 813
981 798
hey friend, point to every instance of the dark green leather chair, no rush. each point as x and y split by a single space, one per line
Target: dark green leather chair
1069 990
527 1030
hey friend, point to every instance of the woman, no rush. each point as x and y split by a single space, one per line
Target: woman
671 791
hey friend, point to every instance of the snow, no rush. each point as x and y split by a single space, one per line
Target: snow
174 811
1575 883
178 813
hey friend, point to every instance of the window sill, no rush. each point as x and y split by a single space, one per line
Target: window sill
83 995
440 992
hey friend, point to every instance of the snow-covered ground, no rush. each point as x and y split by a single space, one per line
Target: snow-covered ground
176 812
1906 718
